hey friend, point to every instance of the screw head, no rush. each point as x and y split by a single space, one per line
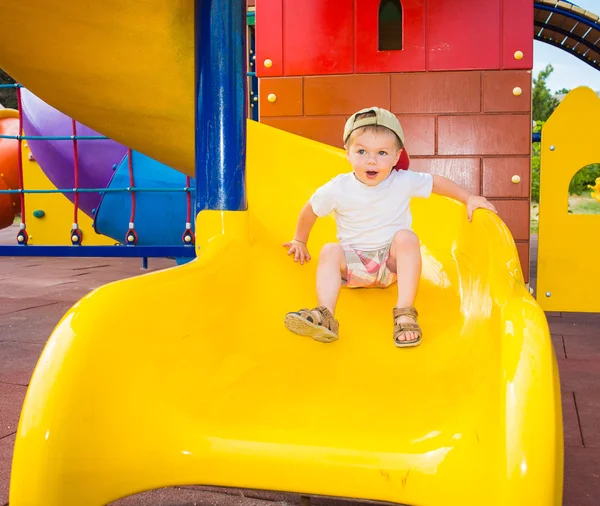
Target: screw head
517 91
516 179
553 147
548 294
268 63
518 55
272 97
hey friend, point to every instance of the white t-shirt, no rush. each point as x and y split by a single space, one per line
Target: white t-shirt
367 217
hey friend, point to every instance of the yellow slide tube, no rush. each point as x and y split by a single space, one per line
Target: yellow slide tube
188 375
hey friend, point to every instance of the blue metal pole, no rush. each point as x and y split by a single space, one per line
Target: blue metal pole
220 104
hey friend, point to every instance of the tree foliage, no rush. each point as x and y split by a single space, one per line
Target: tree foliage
544 104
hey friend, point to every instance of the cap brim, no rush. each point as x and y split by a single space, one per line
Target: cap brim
404 161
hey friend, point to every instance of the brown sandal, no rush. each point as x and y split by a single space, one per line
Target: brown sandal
404 328
317 323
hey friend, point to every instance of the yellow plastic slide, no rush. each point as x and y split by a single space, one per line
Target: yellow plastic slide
188 375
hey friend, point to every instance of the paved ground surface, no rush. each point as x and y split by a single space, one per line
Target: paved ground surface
36 292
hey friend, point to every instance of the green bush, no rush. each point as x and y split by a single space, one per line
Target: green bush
583 178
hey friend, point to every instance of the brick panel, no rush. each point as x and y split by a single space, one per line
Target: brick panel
498 89
484 135
288 91
345 94
328 130
515 213
498 173
523 249
419 132
463 171
436 92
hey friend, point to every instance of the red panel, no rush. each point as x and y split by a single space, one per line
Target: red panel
420 134
369 59
489 134
325 95
317 37
463 34
269 37
436 92
517 31
287 93
464 171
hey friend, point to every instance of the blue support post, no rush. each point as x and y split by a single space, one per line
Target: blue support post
220 104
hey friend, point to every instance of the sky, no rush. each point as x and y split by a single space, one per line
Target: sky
569 72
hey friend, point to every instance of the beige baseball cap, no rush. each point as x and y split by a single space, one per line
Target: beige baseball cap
384 118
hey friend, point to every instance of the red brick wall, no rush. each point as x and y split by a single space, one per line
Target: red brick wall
466 125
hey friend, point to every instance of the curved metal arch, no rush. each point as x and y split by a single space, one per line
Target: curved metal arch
559 24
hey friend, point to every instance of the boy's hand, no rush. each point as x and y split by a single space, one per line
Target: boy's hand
477 202
299 250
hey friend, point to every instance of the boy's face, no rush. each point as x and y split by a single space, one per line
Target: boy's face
373 156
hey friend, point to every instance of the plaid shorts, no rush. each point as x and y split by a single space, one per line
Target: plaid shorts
368 268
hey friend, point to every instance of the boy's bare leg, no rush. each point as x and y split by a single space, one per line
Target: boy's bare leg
331 269
405 261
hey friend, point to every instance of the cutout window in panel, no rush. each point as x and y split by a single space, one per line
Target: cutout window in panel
390 25
584 191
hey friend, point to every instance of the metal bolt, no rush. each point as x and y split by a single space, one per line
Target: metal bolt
553 147
548 294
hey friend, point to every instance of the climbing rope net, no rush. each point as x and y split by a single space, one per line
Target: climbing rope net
131 237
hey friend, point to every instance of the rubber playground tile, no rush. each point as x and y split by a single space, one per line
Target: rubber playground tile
578 317
11 400
26 287
588 328
559 346
571 429
11 305
578 375
17 361
6 450
582 346
582 477
211 496
32 325
187 496
588 407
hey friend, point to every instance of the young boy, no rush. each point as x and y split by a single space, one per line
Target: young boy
376 244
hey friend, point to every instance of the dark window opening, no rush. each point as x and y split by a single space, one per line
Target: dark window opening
390 25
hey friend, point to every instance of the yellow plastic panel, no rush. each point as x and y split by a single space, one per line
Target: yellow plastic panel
569 244
54 228
188 375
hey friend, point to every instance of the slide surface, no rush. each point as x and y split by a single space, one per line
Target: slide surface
188 375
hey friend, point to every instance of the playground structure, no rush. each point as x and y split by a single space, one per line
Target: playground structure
9 175
564 238
493 430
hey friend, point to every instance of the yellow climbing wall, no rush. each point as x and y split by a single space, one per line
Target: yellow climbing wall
53 229
569 244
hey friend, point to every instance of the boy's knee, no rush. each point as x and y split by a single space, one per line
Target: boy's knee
406 238
332 251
